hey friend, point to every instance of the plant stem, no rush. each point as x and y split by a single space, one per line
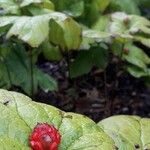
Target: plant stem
8 73
31 74
122 47
107 110
68 63
117 68
105 84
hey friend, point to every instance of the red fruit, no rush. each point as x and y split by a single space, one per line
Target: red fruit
44 137
126 51
126 21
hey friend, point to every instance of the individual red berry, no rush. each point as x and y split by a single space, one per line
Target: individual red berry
44 137
126 21
126 51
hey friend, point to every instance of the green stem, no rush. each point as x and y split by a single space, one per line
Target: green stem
68 63
121 56
107 110
31 74
8 73
105 84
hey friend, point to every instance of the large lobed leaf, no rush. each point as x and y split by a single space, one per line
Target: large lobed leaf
136 56
59 28
138 61
129 23
131 27
124 27
19 115
128 132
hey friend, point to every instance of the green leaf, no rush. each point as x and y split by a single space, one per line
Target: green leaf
139 24
51 52
46 3
9 6
127 28
4 77
145 41
136 56
21 115
32 30
92 10
92 37
11 144
39 9
87 59
60 29
117 25
14 7
19 134
130 7
103 4
73 8
66 34
81 65
45 81
36 10
128 132
137 71
102 24
16 70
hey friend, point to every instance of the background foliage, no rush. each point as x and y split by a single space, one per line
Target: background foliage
99 30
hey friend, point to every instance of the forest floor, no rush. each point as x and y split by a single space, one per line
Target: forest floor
97 95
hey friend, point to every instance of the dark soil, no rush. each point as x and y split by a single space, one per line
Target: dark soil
97 94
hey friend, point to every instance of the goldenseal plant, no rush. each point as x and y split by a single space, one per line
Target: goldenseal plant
27 125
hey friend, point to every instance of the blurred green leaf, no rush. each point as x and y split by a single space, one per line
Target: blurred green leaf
73 8
65 33
130 27
45 81
14 7
51 52
128 6
87 59
143 40
92 36
102 24
103 4
137 71
136 56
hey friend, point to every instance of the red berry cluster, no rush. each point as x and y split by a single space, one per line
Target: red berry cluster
44 137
